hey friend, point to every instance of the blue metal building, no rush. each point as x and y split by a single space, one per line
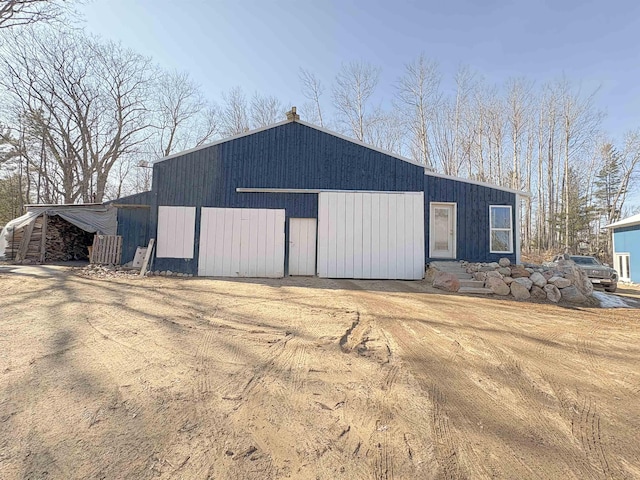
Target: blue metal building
294 198
626 248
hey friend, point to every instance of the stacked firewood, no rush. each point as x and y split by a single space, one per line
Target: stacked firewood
15 238
65 241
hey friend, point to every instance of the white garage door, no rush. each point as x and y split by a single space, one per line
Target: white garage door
241 242
371 235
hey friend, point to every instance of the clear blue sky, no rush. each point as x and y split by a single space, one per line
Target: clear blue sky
260 44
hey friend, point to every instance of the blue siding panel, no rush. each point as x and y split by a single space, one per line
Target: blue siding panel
627 240
133 223
472 224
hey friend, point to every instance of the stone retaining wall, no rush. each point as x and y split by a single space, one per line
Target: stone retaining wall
562 281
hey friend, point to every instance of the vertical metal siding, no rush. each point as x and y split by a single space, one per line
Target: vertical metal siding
133 223
472 215
288 156
358 235
296 156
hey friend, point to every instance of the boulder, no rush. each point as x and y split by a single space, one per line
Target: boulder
508 280
518 271
504 271
525 282
538 293
529 269
547 274
497 286
519 291
560 282
486 268
482 276
504 262
587 286
538 279
552 292
571 294
494 274
446 281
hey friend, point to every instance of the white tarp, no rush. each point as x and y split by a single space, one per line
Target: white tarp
101 218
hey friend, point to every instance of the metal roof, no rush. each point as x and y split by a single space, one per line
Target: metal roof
626 222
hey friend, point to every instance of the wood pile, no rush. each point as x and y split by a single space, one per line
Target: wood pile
65 241
16 242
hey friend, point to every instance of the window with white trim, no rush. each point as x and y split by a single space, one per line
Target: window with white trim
501 229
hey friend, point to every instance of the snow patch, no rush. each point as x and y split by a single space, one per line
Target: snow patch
610 301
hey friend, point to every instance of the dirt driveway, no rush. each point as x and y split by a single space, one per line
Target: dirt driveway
132 378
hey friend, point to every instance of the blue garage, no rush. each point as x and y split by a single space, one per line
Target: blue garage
297 199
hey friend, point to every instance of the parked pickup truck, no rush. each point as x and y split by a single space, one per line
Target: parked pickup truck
598 273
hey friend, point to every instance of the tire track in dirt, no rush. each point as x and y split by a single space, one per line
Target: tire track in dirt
585 426
584 344
534 402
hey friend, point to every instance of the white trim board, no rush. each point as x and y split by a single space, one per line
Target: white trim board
316 190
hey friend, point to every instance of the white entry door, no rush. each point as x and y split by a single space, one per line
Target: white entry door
377 235
241 242
302 246
621 263
442 230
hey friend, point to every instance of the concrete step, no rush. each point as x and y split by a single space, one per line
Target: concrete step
463 276
472 283
475 290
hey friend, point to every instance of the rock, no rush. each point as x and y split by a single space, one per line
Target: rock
163 273
504 271
538 293
588 287
157 272
525 282
494 274
446 281
519 291
169 273
508 280
571 294
482 276
547 274
504 262
497 286
494 265
538 279
179 274
560 282
486 268
473 267
518 271
529 269
553 294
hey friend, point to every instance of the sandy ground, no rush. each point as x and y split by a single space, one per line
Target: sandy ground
133 378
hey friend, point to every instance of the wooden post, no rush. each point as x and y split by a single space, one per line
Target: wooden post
26 238
147 257
43 240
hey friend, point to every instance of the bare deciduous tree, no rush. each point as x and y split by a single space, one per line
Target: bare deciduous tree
234 113
85 99
265 110
312 90
419 92
185 118
354 86
14 13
